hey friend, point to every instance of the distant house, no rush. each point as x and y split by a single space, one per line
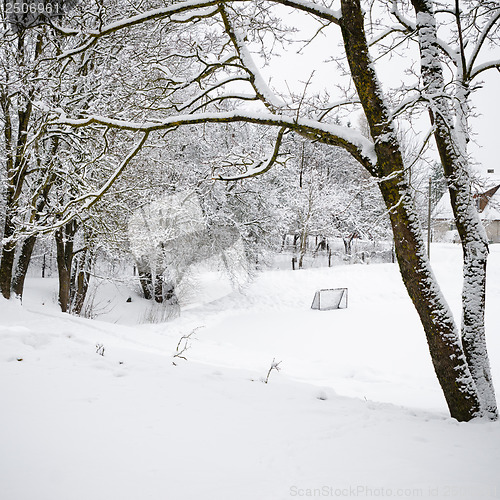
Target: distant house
488 204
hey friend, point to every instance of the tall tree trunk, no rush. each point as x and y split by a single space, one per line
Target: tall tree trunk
39 201
158 289
80 281
64 247
17 117
451 144
9 245
23 263
442 335
8 256
63 272
146 284
145 279
303 244
348 243
446 351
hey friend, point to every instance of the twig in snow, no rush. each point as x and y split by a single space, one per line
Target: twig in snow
274 366
184 345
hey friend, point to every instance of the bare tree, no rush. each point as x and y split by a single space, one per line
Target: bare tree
19 73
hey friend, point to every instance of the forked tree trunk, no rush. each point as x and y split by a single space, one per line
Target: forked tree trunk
452 151
442 335
39 201
16 123
446 351
151 289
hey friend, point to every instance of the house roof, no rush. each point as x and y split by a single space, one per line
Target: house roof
488 205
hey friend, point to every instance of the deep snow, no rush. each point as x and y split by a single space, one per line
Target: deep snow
354 412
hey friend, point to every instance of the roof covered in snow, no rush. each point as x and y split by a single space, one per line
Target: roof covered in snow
488 203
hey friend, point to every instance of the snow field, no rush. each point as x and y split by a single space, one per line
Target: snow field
354 411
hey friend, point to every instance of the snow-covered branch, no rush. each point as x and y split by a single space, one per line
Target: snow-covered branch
482 39
89 199
262 90
350 139
262 167
327 108
480 68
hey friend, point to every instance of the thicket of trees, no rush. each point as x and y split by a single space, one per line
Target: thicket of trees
95 111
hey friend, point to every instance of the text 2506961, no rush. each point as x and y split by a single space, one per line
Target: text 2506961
24 7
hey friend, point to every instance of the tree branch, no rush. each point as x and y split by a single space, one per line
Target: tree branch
347 138
263 167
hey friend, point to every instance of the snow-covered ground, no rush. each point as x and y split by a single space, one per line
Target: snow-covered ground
355 410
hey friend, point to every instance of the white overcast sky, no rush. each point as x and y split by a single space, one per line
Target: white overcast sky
296 69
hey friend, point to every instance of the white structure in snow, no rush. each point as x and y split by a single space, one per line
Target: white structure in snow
330 298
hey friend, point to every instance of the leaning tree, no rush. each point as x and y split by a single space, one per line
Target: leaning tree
223 44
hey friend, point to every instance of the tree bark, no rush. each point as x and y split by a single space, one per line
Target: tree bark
8 256
451 144
158 289
23 263
15 141
80 280
9 246
303 245
447 355
145 279
151 289
39 201
64 247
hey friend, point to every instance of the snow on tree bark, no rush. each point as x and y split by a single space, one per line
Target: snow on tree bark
451 145
442 336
